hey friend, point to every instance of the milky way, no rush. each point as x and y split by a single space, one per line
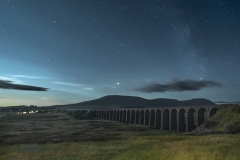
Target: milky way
78 50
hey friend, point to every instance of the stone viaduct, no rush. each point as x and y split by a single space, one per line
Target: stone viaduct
180 118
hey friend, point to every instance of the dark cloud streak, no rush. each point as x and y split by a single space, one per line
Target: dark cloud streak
9 85
177 85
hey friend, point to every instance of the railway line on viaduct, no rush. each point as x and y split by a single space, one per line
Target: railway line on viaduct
180 118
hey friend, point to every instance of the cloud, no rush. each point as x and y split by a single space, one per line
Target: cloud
177 85
24 76
68 84
88 89
4 84
10 79
59 91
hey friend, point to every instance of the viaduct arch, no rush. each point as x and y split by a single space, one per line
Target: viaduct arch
184 119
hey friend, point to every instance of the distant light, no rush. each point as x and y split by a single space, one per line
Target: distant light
201 78
118 83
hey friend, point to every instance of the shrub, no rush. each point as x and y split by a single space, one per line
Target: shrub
236 109
42 111
233 127
81 114
206 124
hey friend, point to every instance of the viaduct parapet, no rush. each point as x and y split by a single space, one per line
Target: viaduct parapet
184 119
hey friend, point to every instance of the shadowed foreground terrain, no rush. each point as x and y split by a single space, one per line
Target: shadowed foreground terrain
43 128
59 136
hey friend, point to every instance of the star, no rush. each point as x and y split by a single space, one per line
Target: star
100 50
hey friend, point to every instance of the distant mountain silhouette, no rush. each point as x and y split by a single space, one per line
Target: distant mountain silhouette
117 101
225 102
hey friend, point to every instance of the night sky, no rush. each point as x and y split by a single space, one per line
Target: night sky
69 51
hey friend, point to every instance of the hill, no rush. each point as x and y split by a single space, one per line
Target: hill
225 121
117 101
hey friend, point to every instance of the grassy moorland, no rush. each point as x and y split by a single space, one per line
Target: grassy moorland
58 136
